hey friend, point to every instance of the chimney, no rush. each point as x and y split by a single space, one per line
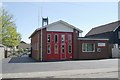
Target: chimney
44 21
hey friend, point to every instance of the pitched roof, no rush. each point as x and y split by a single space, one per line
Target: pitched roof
23 42
60 21
104 28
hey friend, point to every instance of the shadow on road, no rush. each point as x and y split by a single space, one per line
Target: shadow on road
22 60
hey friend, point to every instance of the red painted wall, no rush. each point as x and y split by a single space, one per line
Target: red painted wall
59 55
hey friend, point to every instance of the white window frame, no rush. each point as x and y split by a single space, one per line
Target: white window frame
50 49
70 38
63 38
88 43
68 48
47 38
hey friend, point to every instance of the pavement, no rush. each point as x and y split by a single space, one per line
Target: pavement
62 79
106 68
83 73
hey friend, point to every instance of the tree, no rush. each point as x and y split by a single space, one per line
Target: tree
9 35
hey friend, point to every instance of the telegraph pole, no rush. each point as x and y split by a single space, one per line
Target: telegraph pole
40 37
41 58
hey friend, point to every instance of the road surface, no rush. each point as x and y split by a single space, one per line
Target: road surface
106 68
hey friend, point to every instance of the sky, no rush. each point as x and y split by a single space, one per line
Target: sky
83 15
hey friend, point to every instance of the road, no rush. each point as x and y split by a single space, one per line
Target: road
106 68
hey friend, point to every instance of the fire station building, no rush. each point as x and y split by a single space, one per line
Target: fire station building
62 41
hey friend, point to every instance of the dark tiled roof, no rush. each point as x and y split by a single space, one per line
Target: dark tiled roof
84 38
104 28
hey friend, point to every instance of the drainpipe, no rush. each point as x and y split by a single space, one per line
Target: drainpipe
41 47
40 43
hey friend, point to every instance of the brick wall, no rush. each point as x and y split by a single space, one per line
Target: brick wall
105 51
35 46
75 44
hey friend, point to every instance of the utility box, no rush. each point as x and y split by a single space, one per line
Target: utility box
115 53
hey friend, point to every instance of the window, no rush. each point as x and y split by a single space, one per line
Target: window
48 38
63 38
63 49
69 49
88 47
56 38
56 49
69 38
119 35
48 49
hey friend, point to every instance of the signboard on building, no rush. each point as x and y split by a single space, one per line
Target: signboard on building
101 44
